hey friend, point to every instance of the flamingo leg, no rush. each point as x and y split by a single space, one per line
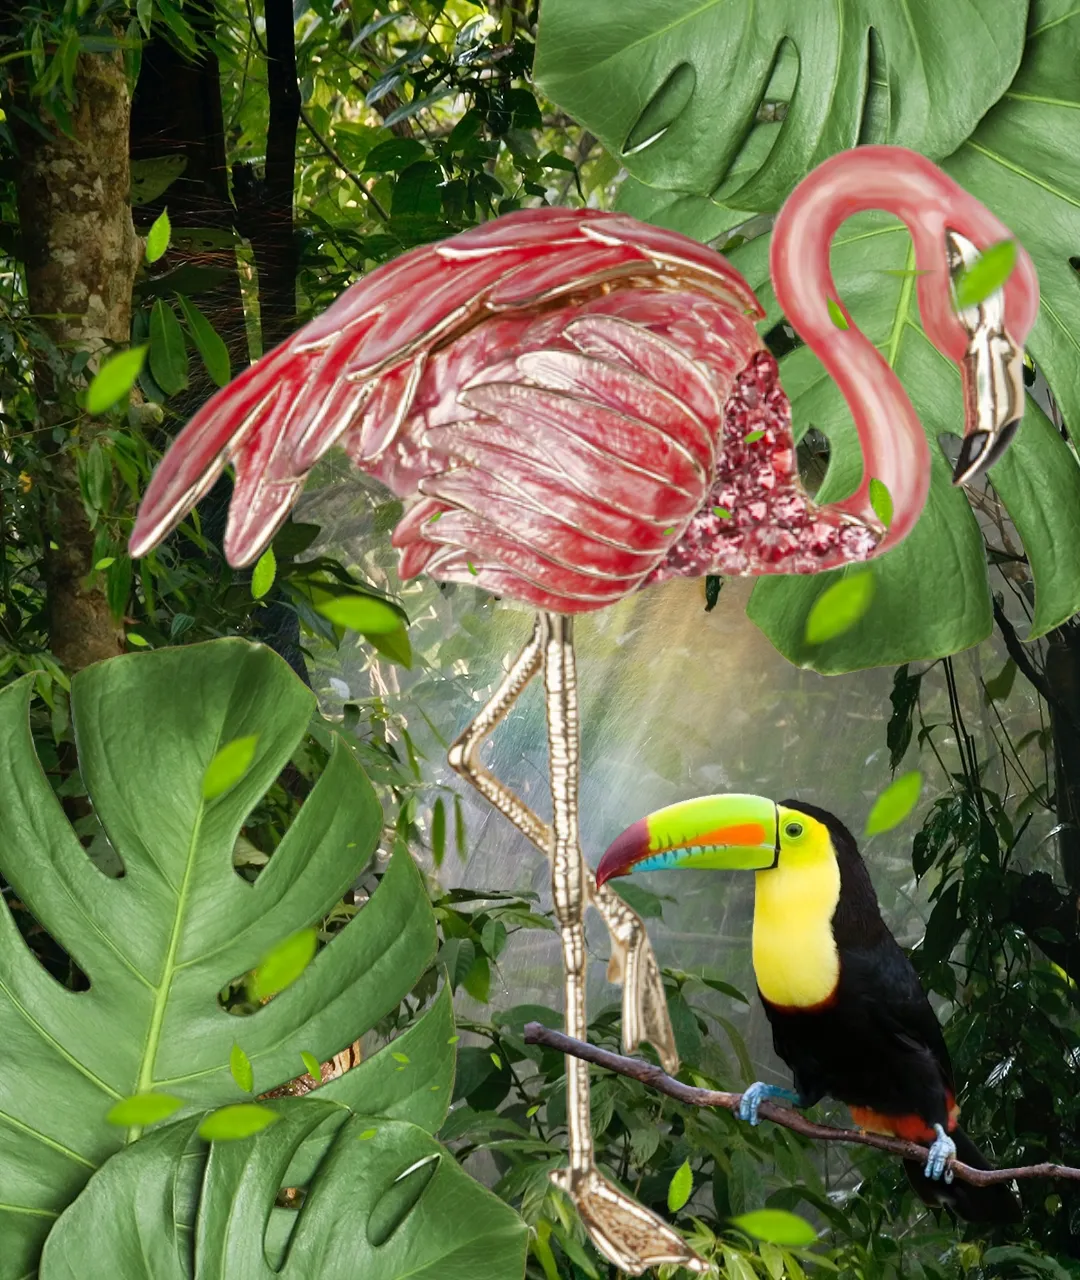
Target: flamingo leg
625 1232
633 962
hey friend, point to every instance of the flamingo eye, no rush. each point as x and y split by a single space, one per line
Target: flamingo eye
793 830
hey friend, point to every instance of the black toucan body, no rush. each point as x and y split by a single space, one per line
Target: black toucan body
848 1014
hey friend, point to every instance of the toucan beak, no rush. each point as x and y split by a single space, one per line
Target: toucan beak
992 372
717 833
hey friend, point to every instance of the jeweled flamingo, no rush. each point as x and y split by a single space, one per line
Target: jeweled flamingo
577 406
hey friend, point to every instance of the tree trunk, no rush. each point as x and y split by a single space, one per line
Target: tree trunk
81 256
266 208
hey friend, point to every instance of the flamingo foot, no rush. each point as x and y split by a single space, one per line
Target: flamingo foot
625 1232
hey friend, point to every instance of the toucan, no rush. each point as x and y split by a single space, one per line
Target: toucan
848 1014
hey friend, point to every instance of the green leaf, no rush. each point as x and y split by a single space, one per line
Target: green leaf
438 831
777 1226
157 241
312 1066
264 573
366 614
159 943
143 1109
228 766
394 154
881 501
895 803
999 688
839 607
168 351
836 315
151 177
460 835
281 967
240 1069
681 1187
986 275
394 1205
241 1120
208 342
682 81
394 644
114 379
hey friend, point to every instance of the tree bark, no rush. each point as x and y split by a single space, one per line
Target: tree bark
81 255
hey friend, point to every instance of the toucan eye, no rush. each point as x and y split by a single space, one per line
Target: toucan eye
793 830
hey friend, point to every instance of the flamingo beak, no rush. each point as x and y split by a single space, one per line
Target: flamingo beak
992 372
710 833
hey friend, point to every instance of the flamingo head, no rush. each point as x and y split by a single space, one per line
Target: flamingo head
992 372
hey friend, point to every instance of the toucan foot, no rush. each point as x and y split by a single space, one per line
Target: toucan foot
756 1095
942 1154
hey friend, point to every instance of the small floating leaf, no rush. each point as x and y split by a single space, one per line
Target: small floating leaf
238 1121
400 1057
722 512
497 1061
311 1066
157 239
839 607
228 766
142 1109
777 1226
471 567
682 1184
284 964
114 379
836 315
104 562
264 573
986 274
360 613
753 437
881 501
368 1133
895 803
240 1066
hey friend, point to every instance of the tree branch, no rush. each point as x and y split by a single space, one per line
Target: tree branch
1015 649
656 1078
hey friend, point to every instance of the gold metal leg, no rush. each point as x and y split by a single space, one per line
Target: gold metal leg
633 963
625 1232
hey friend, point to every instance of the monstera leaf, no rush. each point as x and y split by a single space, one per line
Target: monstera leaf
673 89
159 943
932 593
385 1202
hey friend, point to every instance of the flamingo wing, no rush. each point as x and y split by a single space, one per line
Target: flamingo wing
354 373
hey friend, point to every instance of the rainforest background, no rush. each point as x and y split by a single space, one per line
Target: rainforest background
199 179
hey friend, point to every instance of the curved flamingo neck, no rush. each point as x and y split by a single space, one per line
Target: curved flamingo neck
903 183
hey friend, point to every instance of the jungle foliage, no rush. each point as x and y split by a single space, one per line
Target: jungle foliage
279 151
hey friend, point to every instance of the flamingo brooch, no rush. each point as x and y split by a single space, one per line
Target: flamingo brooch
575 406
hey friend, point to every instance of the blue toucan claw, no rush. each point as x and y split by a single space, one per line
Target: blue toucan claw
756 1095
942 1154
